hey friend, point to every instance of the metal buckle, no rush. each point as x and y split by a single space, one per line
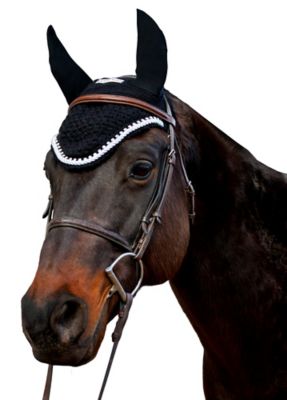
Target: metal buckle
117 286
172 157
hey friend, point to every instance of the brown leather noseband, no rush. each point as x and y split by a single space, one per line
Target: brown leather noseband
152 215
90 227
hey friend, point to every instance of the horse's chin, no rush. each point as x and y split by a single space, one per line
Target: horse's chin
76 355
80 352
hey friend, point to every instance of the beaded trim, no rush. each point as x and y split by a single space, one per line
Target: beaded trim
106 147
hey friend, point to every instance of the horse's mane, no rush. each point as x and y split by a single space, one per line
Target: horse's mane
263 189
189 120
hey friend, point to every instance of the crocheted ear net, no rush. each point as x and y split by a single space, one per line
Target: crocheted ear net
92 132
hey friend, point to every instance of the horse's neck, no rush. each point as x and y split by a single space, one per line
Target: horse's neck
237 260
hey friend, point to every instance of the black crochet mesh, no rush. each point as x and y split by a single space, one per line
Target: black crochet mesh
89 126
130 87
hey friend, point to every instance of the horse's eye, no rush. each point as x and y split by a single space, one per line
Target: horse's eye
141 170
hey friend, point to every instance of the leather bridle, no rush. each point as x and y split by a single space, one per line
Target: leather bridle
152 216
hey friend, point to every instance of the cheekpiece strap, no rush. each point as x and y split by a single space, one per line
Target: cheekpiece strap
125 100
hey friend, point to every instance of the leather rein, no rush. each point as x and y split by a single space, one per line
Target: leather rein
152 216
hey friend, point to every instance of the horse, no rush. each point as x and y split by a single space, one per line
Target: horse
125 204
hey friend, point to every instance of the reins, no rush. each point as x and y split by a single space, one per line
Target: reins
152 215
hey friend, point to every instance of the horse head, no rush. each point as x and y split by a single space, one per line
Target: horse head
108 168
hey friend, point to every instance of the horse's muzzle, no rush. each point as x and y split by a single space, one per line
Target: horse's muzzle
54 329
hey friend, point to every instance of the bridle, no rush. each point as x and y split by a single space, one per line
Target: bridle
152 215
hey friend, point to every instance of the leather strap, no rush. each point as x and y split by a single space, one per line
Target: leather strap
154 209
89 227
47 390
116 336
125 100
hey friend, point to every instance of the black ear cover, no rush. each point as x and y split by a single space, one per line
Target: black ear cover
70 77
151 67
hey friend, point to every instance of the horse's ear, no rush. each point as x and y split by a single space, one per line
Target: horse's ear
151 54
70 77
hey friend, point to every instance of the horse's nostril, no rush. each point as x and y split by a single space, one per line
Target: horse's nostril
67 312
69 319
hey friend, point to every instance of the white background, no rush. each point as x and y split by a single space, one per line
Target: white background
227 59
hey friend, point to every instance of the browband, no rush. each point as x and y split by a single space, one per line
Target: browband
129 101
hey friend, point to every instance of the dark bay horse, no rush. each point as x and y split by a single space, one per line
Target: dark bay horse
227 268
